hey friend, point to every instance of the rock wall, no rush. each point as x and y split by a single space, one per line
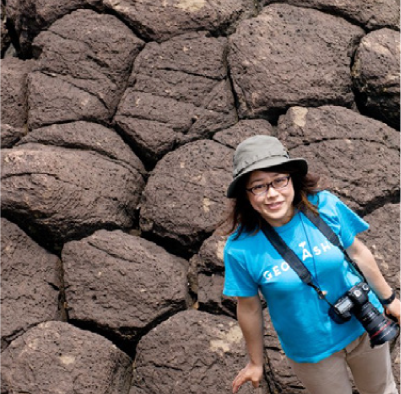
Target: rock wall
119 122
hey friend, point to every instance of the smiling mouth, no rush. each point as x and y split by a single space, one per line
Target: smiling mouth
276 205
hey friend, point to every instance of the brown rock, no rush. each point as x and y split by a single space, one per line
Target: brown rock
121 283
84 62
66 191
56 357
372 14
86 136
29 283
192 352
274 62
159 21
182 201
376 74
358 157
180 92
11 135
29 17
14 72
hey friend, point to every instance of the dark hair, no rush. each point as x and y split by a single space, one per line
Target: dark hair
244 218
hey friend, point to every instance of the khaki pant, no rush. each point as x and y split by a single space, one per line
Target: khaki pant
370 368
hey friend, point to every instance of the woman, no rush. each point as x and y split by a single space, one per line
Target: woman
269 187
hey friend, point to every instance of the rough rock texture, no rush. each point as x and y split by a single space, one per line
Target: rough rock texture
197 351
159 21
56 357
358 157
30 17
182 201
30 283
376 75
372 14
180 92
291 56
14 73
119 122
5 37
61 189
383 238
82 69
121 283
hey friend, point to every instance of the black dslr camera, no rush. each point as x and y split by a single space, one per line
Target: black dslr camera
356 301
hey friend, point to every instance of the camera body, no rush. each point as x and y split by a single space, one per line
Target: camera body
356 302
357 296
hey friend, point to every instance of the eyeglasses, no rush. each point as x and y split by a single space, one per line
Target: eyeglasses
277 184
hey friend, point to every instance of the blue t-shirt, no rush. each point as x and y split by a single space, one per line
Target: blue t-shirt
300 318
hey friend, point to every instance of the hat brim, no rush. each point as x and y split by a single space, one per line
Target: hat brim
300 164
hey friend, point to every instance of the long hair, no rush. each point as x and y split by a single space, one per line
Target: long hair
243 218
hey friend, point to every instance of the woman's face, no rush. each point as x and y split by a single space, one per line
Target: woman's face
274 205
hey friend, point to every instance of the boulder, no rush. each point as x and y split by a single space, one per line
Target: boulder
192 352
179 92
30 283
357 157
372 14
121 284
58 193
376 76
160 21
56 357
14 72
84 62
290 56
29 17
183 200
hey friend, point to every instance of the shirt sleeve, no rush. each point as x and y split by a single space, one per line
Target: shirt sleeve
347 224
237 280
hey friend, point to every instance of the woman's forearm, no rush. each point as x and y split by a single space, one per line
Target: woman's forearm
250 319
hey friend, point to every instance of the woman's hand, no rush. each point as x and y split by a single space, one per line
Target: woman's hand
251 373
394 309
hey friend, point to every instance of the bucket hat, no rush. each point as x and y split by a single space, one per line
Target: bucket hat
261 152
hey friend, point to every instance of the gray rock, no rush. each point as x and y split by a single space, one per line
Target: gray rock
159 21
5 37
192 352
179 92
84 62
358 157
274 62
372 14
183 200
14 110
56 357
30 283
121 283
376 75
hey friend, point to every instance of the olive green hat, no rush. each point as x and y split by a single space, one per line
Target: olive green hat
261 152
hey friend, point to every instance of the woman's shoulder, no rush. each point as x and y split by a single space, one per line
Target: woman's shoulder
324 198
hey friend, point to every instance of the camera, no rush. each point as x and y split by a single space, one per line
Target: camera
356 302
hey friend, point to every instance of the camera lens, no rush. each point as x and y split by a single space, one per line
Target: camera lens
379 328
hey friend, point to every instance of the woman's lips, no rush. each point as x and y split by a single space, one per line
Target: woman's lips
274 206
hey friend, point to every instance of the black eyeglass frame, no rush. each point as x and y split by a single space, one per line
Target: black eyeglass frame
269 185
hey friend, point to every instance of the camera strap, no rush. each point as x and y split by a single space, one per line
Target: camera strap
290 257
294 261
326 230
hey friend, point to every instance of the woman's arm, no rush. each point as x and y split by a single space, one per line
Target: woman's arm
250 319
367 264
